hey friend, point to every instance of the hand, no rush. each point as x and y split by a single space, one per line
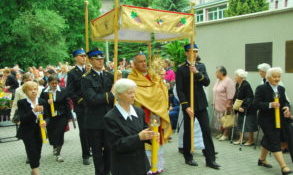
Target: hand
193 69
146 134
43 124
38 108
241 109
190 112
286 112
275 104
50 101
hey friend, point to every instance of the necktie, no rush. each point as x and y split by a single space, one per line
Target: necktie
264 81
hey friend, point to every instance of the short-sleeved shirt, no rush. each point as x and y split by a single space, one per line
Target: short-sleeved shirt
223 91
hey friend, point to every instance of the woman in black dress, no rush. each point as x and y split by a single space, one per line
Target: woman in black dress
127 132
29 128
264 102
246 110
59 119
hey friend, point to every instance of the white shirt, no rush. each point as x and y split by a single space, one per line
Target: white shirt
126 114
81 68
33 106
98 72
48 89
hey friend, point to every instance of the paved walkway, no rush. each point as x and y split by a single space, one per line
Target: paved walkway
233 161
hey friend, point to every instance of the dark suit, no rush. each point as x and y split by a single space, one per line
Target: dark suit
200 107
56 125
244 92
73 89
29 131
264 95
98 101
128 155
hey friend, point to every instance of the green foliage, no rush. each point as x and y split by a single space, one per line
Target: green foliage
174 51
37 32
139 3
171 5
240 7
37 38
128 50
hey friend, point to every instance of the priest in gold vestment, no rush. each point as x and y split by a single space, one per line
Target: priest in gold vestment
152 97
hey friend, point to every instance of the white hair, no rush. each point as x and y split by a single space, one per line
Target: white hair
123 85
263 67
273 70
241 73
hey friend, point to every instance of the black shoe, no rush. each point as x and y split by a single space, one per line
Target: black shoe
86 162
286 172
180 150
264 164
213 165
191 162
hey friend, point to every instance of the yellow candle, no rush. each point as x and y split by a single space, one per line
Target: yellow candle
52 105
277 113
43 130
155 150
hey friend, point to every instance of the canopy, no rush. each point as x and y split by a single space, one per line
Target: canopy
136 24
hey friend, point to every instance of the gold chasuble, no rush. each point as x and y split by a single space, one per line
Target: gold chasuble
152 94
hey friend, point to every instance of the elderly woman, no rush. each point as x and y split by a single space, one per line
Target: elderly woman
127 132
264 101
223 90
262 70
29 128
245 111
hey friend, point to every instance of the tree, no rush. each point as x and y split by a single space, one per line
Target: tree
240 7
37 39
171 5
68 13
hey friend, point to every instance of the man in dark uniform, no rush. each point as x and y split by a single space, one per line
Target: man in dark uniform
96 88
73 88
200 106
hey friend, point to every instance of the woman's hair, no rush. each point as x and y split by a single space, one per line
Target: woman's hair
27 76
241 73
273 70
123 85
28 85
53 78
263 67
222 69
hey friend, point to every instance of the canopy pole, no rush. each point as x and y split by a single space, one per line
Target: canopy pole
192 80
86 23
116 28
150 51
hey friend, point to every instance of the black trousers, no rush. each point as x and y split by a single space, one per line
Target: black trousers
33 148
203 119
85 147
100 150
56 129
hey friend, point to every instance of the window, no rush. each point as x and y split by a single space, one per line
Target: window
213 14
216 12
289 56
199 16
256 54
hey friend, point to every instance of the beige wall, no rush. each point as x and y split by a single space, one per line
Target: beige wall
223 42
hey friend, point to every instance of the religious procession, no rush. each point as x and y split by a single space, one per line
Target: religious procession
128 110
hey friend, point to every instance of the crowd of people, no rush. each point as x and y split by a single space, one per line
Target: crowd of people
116 119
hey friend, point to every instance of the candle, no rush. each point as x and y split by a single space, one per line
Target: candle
155 123
52 105
43 130
277 112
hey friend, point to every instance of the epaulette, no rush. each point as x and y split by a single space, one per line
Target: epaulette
85 74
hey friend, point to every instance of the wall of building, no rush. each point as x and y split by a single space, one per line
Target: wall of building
222 42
